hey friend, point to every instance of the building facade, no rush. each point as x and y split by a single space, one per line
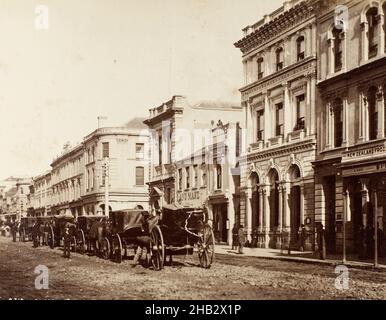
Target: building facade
278 100
209 180
351 162
116 159
177 131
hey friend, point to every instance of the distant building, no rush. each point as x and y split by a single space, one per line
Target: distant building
76 184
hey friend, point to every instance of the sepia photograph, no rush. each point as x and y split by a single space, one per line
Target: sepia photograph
206 152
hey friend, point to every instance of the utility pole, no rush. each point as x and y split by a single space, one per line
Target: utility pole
375 217
344 260
106 178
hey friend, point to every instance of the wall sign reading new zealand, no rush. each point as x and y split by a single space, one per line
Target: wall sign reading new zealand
364 152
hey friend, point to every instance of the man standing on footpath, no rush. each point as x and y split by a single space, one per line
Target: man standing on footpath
241 238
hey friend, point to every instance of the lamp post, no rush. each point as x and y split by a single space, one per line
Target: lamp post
106 176
344 260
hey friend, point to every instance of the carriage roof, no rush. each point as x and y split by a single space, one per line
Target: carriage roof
128 219
174 215
29 221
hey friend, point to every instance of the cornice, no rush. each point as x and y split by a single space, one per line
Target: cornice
278 25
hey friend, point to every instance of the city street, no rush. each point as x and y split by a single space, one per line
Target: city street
230 277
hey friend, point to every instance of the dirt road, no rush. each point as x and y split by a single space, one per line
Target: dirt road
230 277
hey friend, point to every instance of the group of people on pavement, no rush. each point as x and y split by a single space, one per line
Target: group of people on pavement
238 239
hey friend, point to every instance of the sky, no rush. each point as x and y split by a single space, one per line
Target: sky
113 58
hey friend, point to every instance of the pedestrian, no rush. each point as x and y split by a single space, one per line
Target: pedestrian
67 242
302 237
321 241
14 230
241 239
361 242
35 234
234 237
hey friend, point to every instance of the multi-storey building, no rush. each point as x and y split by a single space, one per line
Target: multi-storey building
41 195
209 180
278 100
177 130
351 162
79 177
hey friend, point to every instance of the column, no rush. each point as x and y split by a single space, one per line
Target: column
267 120
360 116
365 200
267 218
331 59
288 123
344 49
301 204
312 117
308 40
261 211
280 195
381 113
249 126
248 207
381 32
308 105
328 126
245 72
364 41
286 207
345 122
231 218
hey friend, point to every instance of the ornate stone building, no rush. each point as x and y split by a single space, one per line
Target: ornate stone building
351 162
278 100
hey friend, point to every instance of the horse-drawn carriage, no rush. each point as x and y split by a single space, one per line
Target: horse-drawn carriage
130 229
179 231
186 231
59 224
26 228
90 233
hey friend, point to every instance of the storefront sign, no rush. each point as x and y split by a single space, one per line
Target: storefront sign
188 195
375 168
368 152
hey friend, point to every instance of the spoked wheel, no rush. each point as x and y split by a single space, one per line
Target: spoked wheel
157 248
51 238
116 248
80 242
105 249
206 247
73 244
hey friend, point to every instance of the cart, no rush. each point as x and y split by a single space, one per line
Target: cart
26 228
90 233
133 228
60 221
186 231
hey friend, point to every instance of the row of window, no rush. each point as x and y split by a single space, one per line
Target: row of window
185 181
279 57
279 118
139 177
372 116
372 39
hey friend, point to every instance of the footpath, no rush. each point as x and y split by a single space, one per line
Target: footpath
302 257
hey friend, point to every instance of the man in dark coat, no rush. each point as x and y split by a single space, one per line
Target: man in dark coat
14 230
302 237
241 239
67 242
234 237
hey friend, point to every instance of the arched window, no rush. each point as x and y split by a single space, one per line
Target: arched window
219 176
373 113
279 59
260 68
372 20
300 48
338 122
338 49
